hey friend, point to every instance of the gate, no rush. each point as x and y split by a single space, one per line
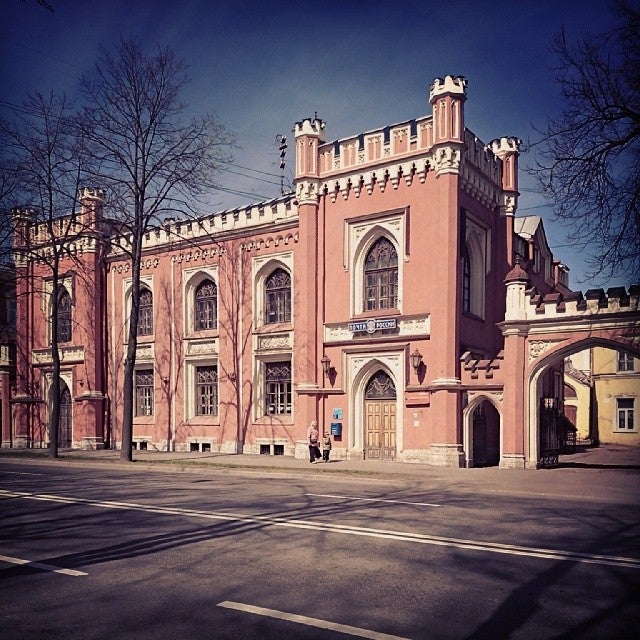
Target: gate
64 425
549 432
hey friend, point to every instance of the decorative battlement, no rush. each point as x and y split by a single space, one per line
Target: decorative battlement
280 211
476 368
594 301
503 146
91 193
447 85
309 127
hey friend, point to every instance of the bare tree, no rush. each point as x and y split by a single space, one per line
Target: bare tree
42 162
154 160
588 158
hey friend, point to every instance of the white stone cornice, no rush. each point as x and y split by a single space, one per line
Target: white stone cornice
307 191
447 159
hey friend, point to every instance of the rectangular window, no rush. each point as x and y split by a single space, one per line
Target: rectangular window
625 361
144 392
625 414
207 391
277 388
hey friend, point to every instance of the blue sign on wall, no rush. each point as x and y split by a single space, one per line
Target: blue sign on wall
336 429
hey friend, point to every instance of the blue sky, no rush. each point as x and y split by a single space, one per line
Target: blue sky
261 66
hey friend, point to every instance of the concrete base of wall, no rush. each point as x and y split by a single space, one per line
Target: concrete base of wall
445 455
512 461
91 444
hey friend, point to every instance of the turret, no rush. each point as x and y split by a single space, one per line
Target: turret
308 136
447 97
91 203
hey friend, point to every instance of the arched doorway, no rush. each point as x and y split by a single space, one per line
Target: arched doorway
485 435
380 418
64 425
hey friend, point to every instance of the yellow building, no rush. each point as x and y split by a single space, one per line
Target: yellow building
616 394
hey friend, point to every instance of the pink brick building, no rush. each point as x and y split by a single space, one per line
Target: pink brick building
369 300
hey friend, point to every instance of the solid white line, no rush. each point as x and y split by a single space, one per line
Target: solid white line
22 473
420 538
44 567
311 622
329 495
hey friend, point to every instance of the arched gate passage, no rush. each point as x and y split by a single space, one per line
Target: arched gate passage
539 331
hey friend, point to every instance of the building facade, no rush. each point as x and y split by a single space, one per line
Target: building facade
370 299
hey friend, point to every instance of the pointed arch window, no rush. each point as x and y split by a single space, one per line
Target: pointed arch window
466 281
206 306
278 297
381 276
64 316
145 313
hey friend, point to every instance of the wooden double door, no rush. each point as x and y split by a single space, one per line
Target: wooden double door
380 418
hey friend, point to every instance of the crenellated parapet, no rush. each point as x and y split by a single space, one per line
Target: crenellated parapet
474 370
268 215
575 303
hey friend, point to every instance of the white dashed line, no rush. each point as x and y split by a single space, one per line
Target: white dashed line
311 622
329 495
42 566
386 534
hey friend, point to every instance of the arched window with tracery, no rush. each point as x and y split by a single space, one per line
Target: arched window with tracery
64 316
466 281
145 313
206 306
277 297
381 276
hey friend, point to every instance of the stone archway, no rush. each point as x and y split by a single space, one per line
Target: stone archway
482 425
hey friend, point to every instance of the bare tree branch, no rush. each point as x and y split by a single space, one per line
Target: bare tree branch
153 159
588 159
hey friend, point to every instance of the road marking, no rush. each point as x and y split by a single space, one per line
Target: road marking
21 473
401 536
311 622
41 565
329 495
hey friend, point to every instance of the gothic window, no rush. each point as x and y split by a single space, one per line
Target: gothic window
144 392
206 306
381 276
64 316
278 297
207 391
473 275
145 313
466 281
277 394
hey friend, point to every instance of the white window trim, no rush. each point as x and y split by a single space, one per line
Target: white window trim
68 282
616 428
190 388
260 362
145 281
191 279
261 268
359 236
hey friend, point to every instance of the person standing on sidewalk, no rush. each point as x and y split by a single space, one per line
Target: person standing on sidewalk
326 447
313 438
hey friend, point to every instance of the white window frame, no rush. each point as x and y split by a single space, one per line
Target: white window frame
632 410
145 281
191 280
261 268
261 362
190 408
360 234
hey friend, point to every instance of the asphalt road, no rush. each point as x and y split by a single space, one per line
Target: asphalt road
149 554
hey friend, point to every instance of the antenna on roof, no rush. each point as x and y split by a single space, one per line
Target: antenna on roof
282 147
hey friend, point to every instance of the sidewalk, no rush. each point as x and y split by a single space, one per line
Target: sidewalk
603 473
